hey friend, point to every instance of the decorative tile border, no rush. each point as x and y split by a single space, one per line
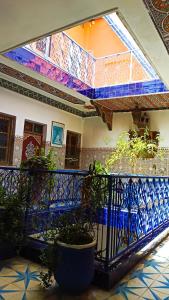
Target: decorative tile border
159 12
17 152
42 98
59 153
147 166
132 89
39 84
39 65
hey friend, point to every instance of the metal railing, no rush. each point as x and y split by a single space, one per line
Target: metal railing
64 52
134 207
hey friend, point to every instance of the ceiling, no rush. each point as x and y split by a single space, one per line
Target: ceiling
22 21
107 107
34 85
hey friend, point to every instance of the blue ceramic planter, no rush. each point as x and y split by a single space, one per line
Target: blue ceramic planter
75 269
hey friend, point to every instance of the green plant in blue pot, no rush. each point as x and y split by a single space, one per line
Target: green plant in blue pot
71 249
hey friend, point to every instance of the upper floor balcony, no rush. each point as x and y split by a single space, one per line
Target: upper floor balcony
65 58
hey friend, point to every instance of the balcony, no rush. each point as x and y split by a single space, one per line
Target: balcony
135 210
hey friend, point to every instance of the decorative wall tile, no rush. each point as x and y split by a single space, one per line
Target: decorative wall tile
17 153
44 99
137 88
159 12
39 84
154 166
59 154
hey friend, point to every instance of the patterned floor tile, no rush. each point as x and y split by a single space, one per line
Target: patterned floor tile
13 296
7 291
19 280
154 295
122 297
33 295
162 284
130 289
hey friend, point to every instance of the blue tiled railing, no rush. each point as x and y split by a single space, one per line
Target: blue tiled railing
61 59
137 88
134 208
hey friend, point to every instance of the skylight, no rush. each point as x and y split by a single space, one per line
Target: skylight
97 59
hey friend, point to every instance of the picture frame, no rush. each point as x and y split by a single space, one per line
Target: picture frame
57 134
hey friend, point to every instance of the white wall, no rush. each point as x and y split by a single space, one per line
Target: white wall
159 121
96 133
26 108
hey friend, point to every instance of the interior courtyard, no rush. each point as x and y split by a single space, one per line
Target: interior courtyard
84 118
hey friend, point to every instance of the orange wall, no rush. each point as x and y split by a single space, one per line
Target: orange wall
77 34
101 40
98 38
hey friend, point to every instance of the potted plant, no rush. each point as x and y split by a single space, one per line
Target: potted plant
37 165
71 244
12 220
133 146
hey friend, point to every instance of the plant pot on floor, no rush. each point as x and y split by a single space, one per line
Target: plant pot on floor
6 250
75 266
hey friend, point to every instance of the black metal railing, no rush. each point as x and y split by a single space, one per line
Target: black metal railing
132 210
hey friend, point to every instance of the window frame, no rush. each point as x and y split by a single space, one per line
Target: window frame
11 137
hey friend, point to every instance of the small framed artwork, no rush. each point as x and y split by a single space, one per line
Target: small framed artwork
57 134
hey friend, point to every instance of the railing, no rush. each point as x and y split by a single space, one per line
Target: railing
134 208
119 68
65 53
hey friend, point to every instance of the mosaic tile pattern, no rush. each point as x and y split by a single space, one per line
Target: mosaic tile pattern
153 166
19 55
149 280
35 63
138 88
159 12
88 155
44 99
40 65
17 152
39 84
59 152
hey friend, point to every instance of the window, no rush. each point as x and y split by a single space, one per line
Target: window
33 128
7 129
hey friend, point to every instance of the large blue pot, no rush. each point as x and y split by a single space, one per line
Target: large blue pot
6 250
75 268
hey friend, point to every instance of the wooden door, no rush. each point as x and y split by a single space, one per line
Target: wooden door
73 144
7 131
33 139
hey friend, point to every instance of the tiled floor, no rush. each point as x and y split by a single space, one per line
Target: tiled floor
19 280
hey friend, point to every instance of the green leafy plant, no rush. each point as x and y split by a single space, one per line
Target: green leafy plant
75 227
40 179
40 161
12 215
133 148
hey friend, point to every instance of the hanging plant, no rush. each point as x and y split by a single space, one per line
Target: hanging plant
132 146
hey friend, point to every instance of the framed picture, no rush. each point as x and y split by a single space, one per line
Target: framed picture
57 134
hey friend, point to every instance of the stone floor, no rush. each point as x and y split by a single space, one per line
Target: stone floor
19 280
